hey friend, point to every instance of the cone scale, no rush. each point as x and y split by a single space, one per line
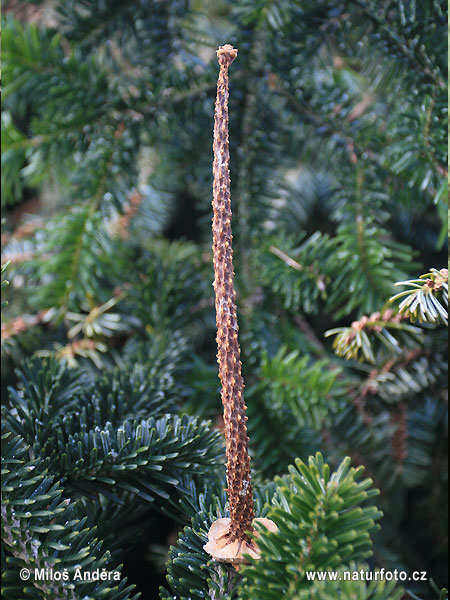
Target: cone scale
229 538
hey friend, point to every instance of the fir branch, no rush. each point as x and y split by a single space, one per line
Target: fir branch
322 528
19 324
355 342
4 285
308 389
41 531
415 53
427 300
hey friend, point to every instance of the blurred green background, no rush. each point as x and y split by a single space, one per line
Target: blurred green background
338 141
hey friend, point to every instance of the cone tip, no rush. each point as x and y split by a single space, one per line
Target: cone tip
226 54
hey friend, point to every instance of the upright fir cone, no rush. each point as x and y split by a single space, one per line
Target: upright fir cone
229 538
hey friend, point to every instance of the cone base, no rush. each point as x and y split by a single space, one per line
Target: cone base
222 549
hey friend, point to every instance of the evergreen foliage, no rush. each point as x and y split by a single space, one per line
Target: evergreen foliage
322 527
429 301
339 182
5 283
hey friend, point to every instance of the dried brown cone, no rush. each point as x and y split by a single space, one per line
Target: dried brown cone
229 538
